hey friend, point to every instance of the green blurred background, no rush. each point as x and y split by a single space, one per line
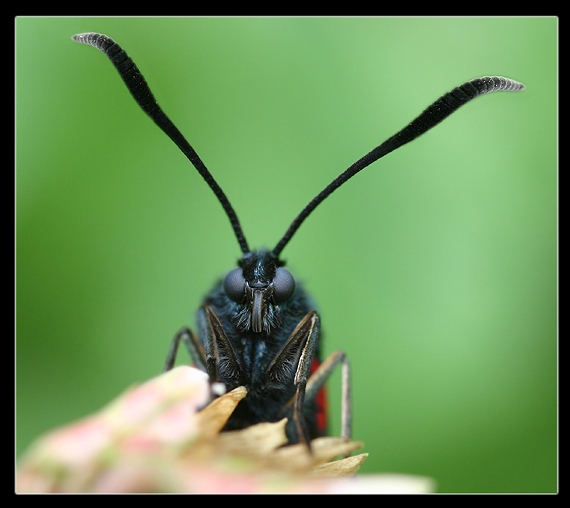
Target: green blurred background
435 269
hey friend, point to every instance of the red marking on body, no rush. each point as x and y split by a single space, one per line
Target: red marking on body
320 403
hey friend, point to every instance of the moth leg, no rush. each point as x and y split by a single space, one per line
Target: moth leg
297 355
220 360
298 416
215 356
193 345
320 377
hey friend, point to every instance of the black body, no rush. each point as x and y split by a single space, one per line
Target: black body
257 338
268 395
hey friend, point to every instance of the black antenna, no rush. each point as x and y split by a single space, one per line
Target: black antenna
439 110
143 96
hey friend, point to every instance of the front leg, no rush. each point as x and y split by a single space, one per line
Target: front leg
296 356
214 354
220 359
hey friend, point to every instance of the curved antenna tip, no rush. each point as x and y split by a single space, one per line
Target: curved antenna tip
82 36
499 83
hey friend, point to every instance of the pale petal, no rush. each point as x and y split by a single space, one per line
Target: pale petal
384 484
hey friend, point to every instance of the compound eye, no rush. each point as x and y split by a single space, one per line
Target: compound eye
234 285
283 285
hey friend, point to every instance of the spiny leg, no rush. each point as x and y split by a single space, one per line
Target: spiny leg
298 415
220 359
297 354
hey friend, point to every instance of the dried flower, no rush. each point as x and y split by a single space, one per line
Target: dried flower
154 438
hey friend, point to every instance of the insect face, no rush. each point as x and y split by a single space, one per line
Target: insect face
260 288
